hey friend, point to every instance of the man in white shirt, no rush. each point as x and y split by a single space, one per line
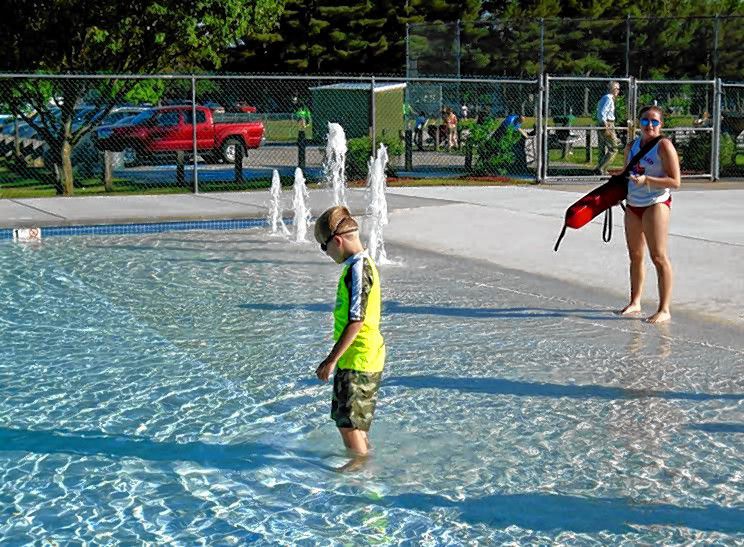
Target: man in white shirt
609 144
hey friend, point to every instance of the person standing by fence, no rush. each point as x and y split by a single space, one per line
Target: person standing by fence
451 121
419 128
608 143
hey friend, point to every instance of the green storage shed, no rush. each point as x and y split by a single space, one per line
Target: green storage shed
350 105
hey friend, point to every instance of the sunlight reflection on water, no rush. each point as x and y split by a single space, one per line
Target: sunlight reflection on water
159 388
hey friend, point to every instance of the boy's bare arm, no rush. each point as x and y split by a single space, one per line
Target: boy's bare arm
325 369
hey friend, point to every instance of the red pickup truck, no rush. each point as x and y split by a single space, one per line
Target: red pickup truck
170 129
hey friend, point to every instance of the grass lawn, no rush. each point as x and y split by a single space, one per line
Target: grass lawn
578 158
463 181
588 121
285 130
37 182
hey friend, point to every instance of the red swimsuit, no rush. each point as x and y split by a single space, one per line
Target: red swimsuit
638 211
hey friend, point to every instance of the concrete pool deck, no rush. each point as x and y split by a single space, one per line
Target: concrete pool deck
513 227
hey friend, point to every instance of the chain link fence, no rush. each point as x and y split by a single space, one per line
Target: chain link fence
106 134
580 147
729 130
703 118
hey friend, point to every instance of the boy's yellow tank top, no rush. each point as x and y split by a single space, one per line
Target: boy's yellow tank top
358 298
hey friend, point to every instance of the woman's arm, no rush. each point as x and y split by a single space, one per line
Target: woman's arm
670 163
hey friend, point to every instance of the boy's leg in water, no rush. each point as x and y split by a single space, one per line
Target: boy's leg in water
357 444
355 440
353 406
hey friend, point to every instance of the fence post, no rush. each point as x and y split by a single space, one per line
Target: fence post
539 129
301 147
468 156
239 180
715 149
408 52
195 178
716 34
16 144
627 46
180 175
632 108
546 149
373 114
409 149
459 49
108 170
541 53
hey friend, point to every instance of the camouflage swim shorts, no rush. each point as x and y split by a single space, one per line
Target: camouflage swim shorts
354 398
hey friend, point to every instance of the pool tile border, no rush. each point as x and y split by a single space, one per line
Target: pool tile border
144 227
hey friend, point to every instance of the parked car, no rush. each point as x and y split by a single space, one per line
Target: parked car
211 105
170 129
117 114
244 107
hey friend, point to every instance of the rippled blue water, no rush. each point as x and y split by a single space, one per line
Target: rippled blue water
159 388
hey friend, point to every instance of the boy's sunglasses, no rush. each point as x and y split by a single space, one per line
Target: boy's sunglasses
324 245
646 121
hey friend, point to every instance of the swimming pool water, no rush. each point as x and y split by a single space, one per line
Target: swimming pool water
160 388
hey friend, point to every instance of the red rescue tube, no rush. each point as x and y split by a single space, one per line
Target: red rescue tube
597 201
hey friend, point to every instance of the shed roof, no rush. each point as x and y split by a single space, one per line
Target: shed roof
362 86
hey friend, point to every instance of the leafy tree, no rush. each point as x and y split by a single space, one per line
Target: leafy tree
87 36
501 38
667 38
438 44
352 36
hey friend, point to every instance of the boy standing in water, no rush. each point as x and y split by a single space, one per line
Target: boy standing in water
358 355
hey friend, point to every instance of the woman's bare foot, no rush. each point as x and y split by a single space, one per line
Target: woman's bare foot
629 309
659 317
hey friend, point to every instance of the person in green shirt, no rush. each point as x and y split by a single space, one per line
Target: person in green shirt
304 116
358 355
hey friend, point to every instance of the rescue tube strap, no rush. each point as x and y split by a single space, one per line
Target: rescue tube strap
560 238
607 228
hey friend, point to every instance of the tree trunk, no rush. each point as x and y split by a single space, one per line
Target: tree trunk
65 172
108 171
16 144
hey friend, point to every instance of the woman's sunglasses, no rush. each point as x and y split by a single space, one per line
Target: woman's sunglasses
646 121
